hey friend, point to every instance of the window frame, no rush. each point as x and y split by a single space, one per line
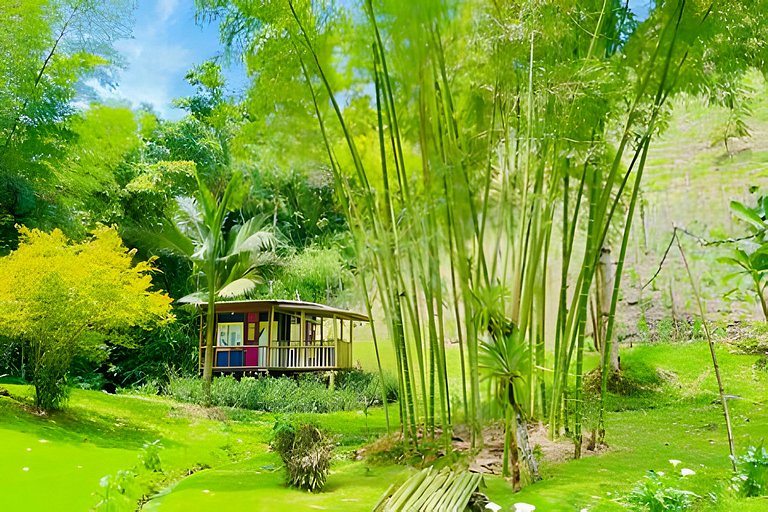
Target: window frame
228 326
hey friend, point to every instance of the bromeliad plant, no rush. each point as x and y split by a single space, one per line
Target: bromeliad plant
504 359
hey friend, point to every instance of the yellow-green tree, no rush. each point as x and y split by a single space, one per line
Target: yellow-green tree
54 292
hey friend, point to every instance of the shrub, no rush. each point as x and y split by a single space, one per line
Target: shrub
185 389
368 385
305 393
149 388
656 493
752 474
150 456
306 452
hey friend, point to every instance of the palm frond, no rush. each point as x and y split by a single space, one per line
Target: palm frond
168 238
198 297
237 288
188 217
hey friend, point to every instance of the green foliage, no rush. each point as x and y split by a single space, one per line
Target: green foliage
152 356
367 385
60 295
751 256
150 456
50 50
306 452
119 491
302 205
116 492
751 477
316 274
304 394
658 493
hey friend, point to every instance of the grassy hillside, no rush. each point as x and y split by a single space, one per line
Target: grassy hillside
690 179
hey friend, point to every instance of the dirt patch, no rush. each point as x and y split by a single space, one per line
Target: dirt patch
184 410
197 412
489 459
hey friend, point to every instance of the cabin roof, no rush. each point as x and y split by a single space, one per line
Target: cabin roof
242 306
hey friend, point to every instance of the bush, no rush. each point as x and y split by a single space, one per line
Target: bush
305 393
752 474
149 388
314 274
657 493
186 389
368 385
306 452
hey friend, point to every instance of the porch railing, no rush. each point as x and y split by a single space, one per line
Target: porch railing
291 355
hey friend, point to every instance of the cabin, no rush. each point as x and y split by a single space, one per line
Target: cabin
279 336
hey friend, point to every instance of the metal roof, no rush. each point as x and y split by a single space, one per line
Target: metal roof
290 305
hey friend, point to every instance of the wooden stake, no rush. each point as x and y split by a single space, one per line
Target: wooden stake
712 353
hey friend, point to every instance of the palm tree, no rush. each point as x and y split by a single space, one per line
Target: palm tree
226 262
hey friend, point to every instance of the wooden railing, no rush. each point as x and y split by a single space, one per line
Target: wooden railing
303 357
293 355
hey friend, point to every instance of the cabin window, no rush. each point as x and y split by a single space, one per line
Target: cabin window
230 334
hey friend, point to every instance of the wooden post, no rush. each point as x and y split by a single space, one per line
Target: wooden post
335 343
200 345
270 336
303 339
349 351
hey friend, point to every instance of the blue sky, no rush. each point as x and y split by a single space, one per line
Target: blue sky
166 43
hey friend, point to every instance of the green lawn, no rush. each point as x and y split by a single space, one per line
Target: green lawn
66 454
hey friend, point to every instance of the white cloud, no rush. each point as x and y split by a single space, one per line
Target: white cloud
150 75
166 44
165 9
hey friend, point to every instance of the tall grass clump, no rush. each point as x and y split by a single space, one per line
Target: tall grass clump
306 452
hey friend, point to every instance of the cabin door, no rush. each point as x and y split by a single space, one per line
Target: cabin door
251 350
264 336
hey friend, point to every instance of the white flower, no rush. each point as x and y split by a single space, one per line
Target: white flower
660 473
687 472
206 491
43 440
524 507
674 462
493 507
25 469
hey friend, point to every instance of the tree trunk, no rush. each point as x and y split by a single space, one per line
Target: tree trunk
208 362
605 282
525 448
761 296
512 435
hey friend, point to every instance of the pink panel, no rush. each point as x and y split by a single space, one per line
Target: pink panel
251 356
